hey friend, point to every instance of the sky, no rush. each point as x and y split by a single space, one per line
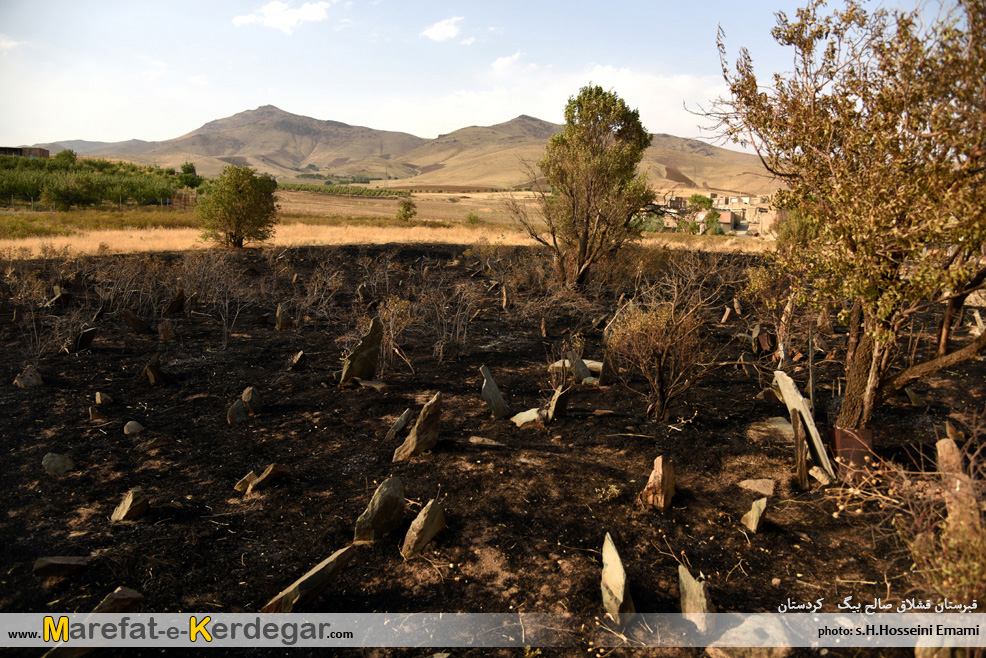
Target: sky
109 71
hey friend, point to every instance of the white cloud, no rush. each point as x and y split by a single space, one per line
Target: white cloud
199 81
281 16
7 44
468 42
503 64
443 30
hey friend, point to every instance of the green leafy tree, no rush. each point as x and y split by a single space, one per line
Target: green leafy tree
188 176
712 225
878 135
406 210
588 190
65 158
240 207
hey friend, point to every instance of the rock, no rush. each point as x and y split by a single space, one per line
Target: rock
271 474
659 490
251 400
737 306
695 604
559 404
59 566
764 487
81 341
297 361
488 443
384 514
237 413
134 506
491 395
152 372
796 404
616 595
590 381
282 320
398 426
424 434
176 305
756 637
379 387
916 400
152 444
527 418
820 476
133 427
362 361
726 316
579 369
97 414
56 464
309 586
136 324
29 378
607 373
122 599
103 398
166 331
755 516
429 522
245 482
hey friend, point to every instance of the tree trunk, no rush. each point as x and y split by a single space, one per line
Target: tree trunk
859 363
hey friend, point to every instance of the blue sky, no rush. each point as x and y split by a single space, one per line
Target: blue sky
110 71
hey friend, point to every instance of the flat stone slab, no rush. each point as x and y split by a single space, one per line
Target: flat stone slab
755 517
244 482
491 395
59 566
429 522
616 595
384 513
372 384
309 586
488 443
399 425
122 599
527 418
103 398
764 487
271 474
424 434
362 361
695 603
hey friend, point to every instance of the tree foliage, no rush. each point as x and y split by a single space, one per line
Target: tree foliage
879 134
407 210
588 191
240 207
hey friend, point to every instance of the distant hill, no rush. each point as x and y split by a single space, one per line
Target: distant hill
283 144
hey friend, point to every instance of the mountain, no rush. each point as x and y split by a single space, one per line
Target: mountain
283 144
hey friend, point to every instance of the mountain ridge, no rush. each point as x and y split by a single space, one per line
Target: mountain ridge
283 144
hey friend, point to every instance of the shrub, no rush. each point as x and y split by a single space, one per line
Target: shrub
472 218
407 210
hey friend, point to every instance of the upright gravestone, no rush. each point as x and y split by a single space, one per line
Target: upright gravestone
362 361
424 434
491 394
616 594
384 514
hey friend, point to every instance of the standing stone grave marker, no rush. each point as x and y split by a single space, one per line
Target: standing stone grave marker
755 517
270 475
428 523
362 361
659 490
384 514
491 394
695 604
398 425
424 434
558 404
309 586
616 594
133 506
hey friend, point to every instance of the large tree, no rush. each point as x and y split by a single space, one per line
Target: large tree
879 134
240 207
589 191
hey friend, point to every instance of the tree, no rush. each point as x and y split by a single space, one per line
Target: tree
879 135
407 210
589 191
240 207
712 226
188 176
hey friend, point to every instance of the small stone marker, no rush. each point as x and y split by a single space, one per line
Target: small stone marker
737 306
122 599
237 413
428 523
133 427
136 324
695 604
377 386
134 506
607 373
103 398
176 305
297 361
483 441
916 400
384 514
309 586
579 369
659 490
424 434
270 475
755 516
245 482
559 404
820 476
152 372
399 425
616 595
491 394
81 341
56 464
764 487
166 331
527 418
251 400
59 566
797 404
362 361
282 320
29 378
